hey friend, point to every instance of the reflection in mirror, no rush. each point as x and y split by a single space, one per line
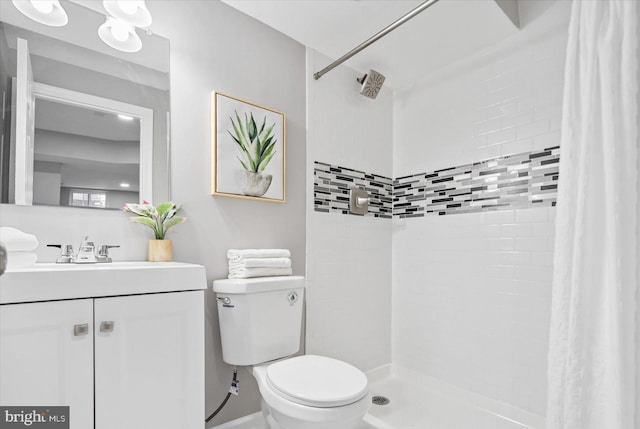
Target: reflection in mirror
81 153
90 161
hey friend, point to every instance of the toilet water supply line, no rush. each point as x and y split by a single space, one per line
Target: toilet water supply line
232 390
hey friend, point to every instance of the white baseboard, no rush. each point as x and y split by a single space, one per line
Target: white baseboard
252 421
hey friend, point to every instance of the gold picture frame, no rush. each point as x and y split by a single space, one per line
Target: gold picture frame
248 150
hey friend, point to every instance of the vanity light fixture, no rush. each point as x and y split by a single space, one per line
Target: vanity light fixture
125 117
47 12
120 35
133 12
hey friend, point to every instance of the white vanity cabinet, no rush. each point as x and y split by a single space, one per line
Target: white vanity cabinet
119 362
42 362
150 366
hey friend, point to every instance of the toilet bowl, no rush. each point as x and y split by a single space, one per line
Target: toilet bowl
312 392
260 327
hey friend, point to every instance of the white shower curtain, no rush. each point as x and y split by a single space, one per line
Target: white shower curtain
592 348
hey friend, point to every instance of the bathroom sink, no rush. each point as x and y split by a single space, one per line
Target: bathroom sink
50 281
127 265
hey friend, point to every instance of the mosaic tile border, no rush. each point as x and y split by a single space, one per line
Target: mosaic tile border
332 184
514 181
528 179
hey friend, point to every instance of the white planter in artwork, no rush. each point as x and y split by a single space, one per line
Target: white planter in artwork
255 184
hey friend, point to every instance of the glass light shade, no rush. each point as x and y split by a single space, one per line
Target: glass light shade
120 35
134 12
47 12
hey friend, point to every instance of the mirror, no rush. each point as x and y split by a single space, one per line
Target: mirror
83 125
92 160
89 151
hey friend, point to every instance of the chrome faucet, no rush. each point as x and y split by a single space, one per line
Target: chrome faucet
86 253
66 253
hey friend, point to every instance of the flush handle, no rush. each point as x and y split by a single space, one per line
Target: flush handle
107 326
292 297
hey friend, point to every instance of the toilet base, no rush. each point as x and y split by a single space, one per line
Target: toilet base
275 420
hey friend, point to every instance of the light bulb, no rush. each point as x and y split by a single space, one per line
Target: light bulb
44 6
47 12
127 6
134 12
120 35
120 31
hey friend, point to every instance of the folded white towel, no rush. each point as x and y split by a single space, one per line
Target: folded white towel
17 241
260 262
236 255
21 259
246 273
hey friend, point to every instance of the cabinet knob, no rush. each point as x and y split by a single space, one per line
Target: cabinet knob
107 326
82 329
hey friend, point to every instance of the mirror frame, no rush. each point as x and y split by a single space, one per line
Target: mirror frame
79 99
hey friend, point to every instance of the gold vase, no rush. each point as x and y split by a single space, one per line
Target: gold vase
160 250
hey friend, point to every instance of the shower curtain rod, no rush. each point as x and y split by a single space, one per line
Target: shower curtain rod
374 38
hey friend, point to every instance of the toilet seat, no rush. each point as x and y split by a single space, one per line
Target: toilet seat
317 381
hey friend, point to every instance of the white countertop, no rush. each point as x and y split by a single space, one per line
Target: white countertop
47 282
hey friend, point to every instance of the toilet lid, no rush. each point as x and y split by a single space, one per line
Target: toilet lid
317 381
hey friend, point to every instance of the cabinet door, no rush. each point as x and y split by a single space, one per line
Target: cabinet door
44 361
149 363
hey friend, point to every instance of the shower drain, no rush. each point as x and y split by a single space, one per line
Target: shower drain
380 400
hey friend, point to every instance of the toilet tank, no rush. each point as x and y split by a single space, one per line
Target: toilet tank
260 318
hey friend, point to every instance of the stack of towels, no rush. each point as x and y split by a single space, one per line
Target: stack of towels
20 247
248 263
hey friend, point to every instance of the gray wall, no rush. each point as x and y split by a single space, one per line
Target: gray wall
213 47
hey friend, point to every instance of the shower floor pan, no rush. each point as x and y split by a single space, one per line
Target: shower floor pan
417 401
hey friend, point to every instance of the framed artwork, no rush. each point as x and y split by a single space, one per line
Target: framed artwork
248 150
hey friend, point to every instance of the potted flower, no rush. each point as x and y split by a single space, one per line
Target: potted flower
256 146
159 219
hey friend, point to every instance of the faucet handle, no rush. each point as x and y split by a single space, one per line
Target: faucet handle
104 249
103 252
66 253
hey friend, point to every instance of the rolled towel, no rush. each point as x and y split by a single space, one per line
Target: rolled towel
17 241
260 262
246 273
236 255
21 259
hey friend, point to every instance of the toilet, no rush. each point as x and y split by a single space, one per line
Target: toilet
260 326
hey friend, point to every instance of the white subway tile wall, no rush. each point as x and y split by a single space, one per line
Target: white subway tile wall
472 299
349 289
471 292
348 257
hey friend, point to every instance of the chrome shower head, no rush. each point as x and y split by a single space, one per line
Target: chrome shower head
371 84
